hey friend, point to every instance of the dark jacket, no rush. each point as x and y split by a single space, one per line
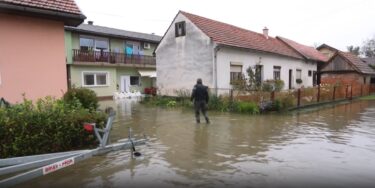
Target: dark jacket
200 93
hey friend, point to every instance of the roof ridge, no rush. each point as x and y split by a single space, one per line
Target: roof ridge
120 29
231 25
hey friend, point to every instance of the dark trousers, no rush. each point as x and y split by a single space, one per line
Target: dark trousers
200 106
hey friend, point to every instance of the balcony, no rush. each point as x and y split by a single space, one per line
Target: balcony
84 57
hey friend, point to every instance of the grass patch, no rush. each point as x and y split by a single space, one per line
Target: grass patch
368 97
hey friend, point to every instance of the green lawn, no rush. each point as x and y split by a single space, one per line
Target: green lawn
369 97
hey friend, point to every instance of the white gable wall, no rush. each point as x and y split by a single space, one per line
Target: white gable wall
226 55
181 60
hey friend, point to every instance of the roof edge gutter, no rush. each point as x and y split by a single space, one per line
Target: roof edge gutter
68 18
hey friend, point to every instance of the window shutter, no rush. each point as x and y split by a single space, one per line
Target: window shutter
235 68
183 28
176 29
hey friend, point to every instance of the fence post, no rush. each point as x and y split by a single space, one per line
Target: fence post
231 95
351 92
334 93
272 96
318 97
299 97
346 92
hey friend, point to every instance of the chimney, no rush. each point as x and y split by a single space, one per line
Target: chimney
90 22
265 32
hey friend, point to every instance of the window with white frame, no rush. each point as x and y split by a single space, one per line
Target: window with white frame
235 73
95 78
276 72
134 80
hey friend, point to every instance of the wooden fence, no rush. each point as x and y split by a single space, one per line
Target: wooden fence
302 96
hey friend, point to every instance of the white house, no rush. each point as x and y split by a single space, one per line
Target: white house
197 47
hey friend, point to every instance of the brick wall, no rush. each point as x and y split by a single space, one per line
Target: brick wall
344 79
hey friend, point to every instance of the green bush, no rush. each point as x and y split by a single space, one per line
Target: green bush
85 96
284 102
47 126
299 81
246 107
219 103
171 103
273 85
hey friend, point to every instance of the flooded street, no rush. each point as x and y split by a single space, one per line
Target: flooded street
331 147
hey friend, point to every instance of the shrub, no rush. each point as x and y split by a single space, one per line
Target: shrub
85 96
286 101
219 103
246 107
171 103
299 81
273 85
47 126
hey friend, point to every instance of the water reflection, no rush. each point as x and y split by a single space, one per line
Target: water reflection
327 147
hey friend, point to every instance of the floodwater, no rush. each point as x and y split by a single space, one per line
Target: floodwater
331 147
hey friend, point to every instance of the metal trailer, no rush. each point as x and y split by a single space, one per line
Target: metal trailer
39 165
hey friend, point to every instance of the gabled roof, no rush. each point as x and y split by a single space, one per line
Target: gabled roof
112 32
327 46
357 63
230 35
66 10
308 52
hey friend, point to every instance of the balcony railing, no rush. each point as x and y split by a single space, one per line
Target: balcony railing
112 58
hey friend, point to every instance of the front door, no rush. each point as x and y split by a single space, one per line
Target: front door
290 78
125 84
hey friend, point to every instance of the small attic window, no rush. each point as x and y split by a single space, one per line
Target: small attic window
180 29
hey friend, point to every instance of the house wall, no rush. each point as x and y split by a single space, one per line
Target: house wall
150 51
113 43
32 59
181 60
327 52
351 78
144 81
68 47
117 44
77 79
338 64
247 58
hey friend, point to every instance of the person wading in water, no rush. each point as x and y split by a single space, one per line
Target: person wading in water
200 97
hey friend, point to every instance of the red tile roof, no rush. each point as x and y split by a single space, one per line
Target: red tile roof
307 51
230 35
68 6
358 64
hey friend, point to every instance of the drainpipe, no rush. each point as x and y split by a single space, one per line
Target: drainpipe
216 49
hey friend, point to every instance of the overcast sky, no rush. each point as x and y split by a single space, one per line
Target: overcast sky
338 23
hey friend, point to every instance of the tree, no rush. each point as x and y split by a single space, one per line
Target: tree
368 48
353 50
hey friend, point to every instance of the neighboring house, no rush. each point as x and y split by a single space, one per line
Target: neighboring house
107 60
326 50
371 62
197 47
32 60
346 68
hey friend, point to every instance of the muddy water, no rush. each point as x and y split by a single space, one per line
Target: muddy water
332 147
